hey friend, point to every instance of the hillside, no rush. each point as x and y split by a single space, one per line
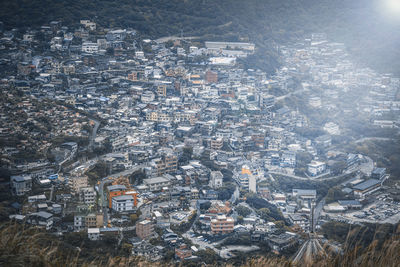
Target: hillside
373 245
370 34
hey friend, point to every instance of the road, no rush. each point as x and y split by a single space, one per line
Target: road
311 178
109 179
311 248
94 133
172 38
317 213
290 94
235 195
361 140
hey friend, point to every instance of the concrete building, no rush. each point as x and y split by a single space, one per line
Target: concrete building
157 183
216 143
88 47
144 229
21 184
216 179
315 168
123 203
222 225
87 195
94 233
367 187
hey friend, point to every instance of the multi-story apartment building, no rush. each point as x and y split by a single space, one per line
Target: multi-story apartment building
222 225
144 229
21 184
122 203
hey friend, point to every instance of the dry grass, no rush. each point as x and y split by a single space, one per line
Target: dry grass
21 246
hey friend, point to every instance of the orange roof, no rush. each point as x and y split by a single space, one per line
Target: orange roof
246 171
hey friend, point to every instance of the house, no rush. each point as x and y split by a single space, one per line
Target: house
42 219
147 250
281 242
183 252
21 184
299 220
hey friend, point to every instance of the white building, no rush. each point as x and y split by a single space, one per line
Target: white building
157 183
122 203
216 179
94 233
332 128
316 167
147 96
88 47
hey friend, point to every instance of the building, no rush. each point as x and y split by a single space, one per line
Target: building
144 229
78 182
378 173
367 187
123 203
162 90
216 143
87 195
88 220
94 233
183 252
88 47
222 225
120 190
166 164
216 179
114 191
316 168
157 183
211 76
231 45
305 194
42 219
288 159
21 184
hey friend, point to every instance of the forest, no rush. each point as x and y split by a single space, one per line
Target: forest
371 36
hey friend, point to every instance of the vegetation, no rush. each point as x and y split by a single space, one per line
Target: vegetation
269 211
99 171
243 211
371 245
359 24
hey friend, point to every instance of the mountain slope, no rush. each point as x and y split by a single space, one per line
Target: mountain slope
371 35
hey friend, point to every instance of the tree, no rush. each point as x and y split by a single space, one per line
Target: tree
243 211
134 218
110 51
334 194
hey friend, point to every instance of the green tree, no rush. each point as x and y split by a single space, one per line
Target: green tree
243 211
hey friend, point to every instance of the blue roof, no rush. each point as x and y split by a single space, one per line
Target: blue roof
367 184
